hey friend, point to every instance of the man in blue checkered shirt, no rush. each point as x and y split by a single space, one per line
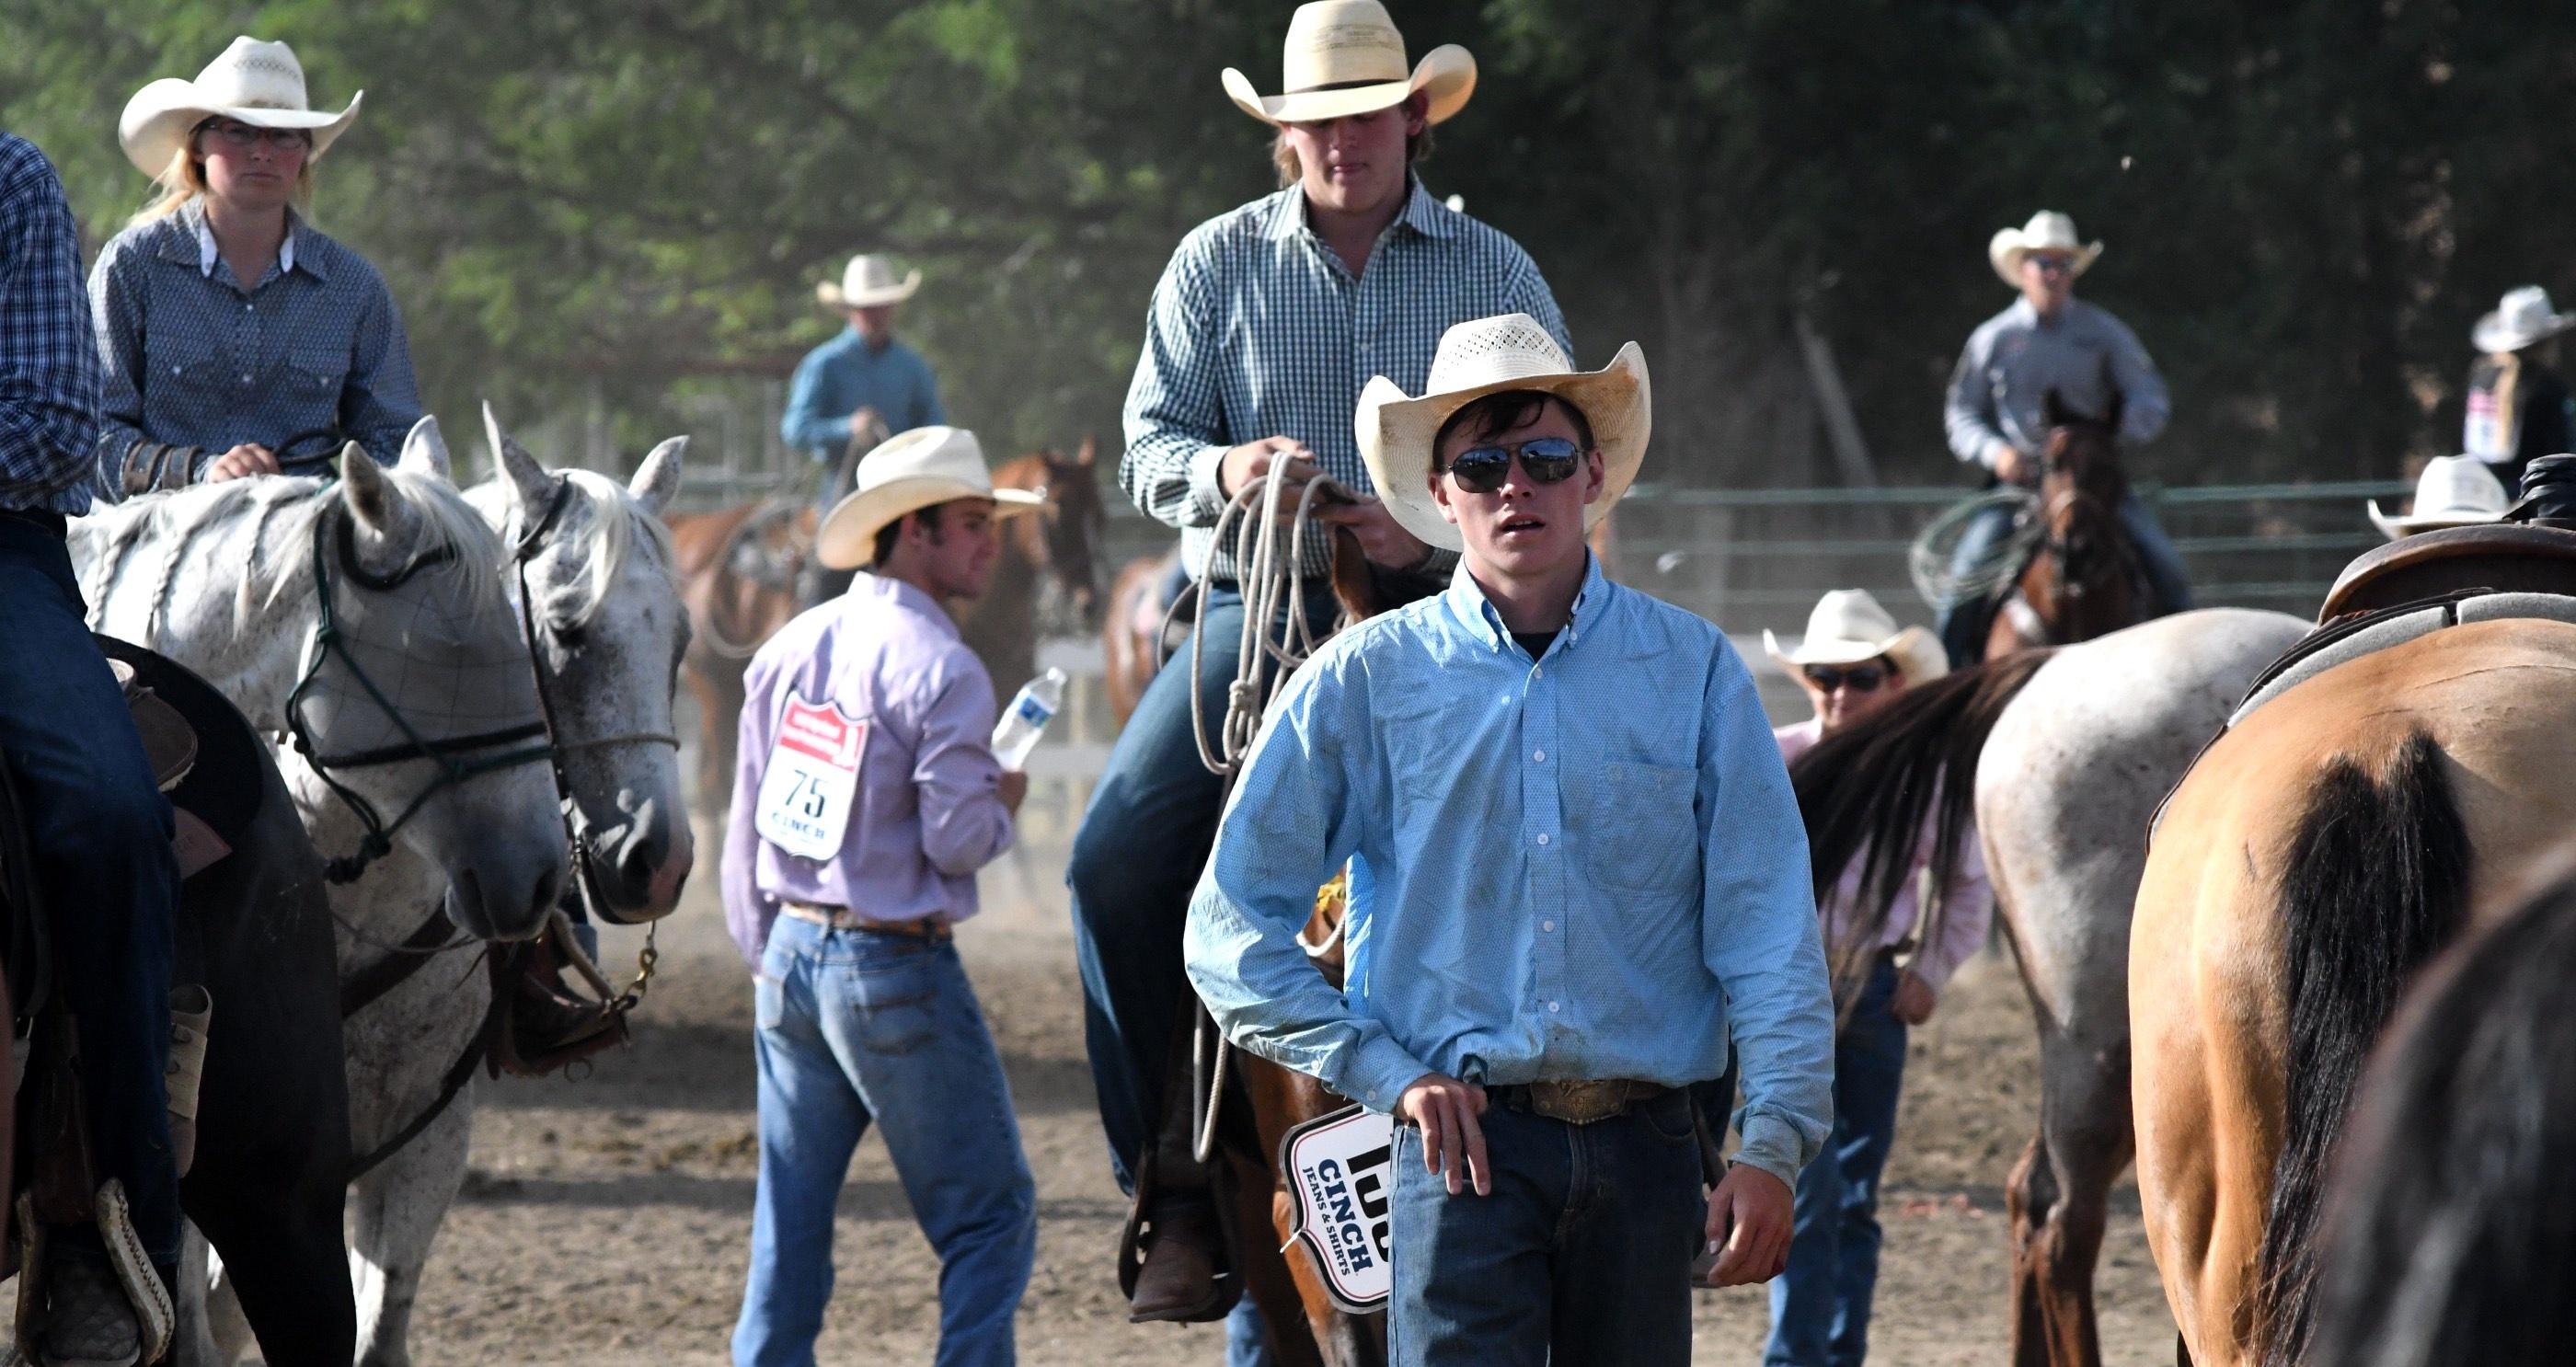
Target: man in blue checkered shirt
1263 328
98 824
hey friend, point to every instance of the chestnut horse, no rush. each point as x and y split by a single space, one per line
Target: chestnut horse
2317 855
741 570
2083 578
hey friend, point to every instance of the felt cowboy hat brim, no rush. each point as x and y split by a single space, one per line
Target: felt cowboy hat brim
1917 653
848 537
2393 526
157 121
1396 434
2005 251
831 295
2496 336
1447 74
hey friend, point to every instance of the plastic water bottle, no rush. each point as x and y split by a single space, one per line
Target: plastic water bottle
1026 718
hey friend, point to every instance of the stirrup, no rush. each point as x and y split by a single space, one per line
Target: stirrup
154 1317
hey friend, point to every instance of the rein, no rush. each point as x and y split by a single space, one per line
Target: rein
445 751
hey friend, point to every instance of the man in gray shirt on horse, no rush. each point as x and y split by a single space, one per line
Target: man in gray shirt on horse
2049 341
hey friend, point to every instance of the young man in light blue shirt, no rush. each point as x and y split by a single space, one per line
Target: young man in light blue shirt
1577 873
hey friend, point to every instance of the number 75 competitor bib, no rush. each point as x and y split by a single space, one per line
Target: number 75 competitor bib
812 776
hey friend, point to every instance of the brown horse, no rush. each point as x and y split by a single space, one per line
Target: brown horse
2318 854
2082 580
1131 631
741 572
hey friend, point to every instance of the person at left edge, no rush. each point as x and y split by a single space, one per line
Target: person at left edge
228 324
866 798
97 821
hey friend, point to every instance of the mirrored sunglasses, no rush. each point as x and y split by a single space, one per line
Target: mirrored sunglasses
1860 678
1548 460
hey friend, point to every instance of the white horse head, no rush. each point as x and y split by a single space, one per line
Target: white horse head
413 714
598 566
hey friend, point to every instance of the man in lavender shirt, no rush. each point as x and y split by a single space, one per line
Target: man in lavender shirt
866 799
1853 662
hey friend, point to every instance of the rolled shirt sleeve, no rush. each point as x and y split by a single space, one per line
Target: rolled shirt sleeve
964 825
1759 933
1175 418
1294 818
1968 414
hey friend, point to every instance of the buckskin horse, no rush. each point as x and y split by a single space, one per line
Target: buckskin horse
2081 576
741 570
2383 783
2061 757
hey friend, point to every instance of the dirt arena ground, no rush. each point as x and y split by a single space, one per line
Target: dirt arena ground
608 1219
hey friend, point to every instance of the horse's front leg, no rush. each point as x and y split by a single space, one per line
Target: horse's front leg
396 1210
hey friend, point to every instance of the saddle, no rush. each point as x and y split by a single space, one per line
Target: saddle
2500 557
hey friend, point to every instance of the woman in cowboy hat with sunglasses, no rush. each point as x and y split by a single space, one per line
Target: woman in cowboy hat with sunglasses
1853 662
227 324
2518 407
1577 875
2048 342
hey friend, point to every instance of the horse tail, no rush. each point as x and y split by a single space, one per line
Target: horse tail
2376 883
1868 792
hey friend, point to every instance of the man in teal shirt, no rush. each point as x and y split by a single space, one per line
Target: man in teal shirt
1577 874
862 372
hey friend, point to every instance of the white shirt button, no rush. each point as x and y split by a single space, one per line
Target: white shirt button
1538 757
1542 837
1537 673
1547 925
1552 1006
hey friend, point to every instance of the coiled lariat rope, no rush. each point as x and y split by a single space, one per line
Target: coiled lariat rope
1927 561
1273 590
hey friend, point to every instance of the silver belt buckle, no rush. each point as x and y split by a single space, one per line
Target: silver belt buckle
1579 1103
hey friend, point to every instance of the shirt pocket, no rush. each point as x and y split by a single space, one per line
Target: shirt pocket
1641 826
313 376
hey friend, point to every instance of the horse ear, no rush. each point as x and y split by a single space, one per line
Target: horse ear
530 485
424 449
657 480
371 497
1090 452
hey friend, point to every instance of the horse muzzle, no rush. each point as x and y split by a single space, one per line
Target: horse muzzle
637 867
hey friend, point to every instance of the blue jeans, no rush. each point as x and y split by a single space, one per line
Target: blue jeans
1820 1306
1135 861
1962 626
1581 1254
100 831
858 1026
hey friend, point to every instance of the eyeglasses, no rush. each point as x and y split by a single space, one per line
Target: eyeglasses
2051 265
1548 460
1860 678
237 136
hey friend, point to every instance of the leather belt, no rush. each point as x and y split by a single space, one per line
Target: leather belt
1578 1103
928 928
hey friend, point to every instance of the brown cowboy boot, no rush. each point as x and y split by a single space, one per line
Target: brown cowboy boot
549 1024
1178 1281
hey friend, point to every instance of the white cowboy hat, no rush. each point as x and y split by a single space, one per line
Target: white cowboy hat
259 83
1847 627
1488 356
2047 231
867 282
906 472
2524 316
2453 491
1345 57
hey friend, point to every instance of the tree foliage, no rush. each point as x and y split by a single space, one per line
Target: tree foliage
2306 205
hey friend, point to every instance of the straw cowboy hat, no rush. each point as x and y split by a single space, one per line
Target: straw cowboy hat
1488 356
867 282
1847 627
2523 317
905 473
2453 491
2047 231
1345 57
259 83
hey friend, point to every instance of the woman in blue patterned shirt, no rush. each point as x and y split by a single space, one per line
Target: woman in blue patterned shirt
227 325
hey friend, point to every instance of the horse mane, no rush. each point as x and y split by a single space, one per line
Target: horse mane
2449 1234
448 522
610 536
1869 791
2376 881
